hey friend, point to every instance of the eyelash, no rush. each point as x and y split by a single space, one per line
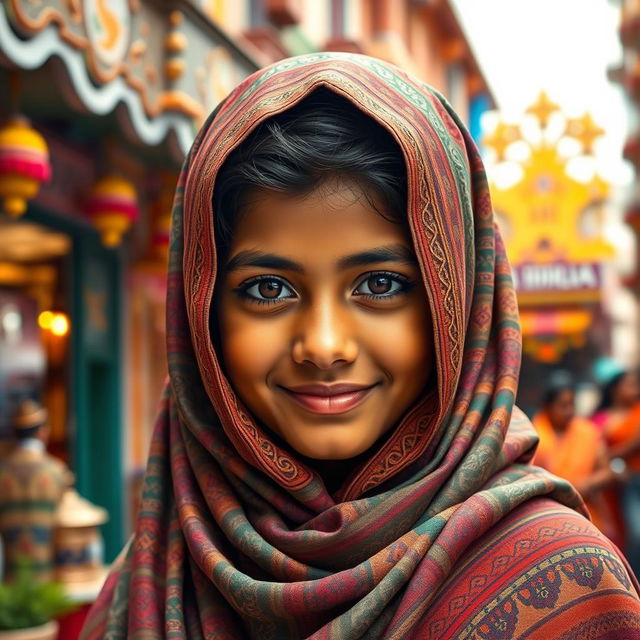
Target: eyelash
405 286
243 289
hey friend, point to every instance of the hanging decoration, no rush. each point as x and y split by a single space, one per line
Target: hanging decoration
175 45
112 207
24 164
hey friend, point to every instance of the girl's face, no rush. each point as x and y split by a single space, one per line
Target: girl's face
324 323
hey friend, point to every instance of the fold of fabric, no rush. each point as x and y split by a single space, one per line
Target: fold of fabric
236 537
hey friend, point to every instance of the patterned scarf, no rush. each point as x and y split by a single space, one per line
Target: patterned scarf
236 537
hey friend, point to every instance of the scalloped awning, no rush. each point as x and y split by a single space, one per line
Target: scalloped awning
168 68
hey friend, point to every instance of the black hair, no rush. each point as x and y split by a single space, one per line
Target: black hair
609 390
321 138
559 382
552 393
28 432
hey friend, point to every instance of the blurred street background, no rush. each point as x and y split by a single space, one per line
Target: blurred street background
100 101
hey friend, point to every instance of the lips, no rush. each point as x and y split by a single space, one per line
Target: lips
329 399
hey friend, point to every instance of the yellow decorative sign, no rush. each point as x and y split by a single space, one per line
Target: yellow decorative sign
585 130
501 138
543 108
553 216
547 216
553 226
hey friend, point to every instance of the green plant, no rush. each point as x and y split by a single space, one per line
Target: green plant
26 603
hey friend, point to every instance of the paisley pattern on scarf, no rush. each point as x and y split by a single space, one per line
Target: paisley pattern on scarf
237 538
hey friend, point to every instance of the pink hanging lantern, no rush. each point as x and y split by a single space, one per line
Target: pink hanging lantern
24 164
112 207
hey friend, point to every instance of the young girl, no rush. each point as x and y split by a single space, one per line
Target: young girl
338 454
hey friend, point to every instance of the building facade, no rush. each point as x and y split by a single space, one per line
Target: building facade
116 91
628 75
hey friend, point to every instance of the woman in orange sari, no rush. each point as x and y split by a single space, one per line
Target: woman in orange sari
573 448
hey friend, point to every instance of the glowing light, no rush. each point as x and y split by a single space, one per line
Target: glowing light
45 319
59 325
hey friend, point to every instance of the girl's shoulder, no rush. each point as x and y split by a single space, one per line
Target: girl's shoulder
545 571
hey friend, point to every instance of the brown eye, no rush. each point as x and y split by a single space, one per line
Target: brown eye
382 285
265 290
379 284
270 288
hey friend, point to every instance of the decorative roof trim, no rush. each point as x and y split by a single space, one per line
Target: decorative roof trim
100 100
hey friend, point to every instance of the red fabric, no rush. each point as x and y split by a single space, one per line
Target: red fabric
72 623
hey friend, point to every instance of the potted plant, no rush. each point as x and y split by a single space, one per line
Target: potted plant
28 607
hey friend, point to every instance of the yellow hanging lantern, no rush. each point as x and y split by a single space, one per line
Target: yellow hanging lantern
24 164
112 207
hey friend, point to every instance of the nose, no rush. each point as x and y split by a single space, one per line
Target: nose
325 336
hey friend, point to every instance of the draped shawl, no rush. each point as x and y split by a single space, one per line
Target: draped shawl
236 536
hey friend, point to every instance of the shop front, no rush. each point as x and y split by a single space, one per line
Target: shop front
111 95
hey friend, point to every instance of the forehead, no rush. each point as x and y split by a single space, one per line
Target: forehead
333 217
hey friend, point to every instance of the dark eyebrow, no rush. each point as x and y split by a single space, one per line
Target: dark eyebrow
392 253
260 259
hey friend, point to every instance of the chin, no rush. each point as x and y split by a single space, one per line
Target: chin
327 450
327 457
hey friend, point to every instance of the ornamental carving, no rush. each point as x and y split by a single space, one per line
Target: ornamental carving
167 67
101 29
108 27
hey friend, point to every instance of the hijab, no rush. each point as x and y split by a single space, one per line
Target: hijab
237 536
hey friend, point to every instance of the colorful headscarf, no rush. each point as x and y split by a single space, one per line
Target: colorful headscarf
237 537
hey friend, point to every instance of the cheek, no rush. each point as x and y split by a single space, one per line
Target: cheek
403 345
250 349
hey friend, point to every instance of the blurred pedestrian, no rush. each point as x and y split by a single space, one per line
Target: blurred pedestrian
619 394
619 416
31 485
574 448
